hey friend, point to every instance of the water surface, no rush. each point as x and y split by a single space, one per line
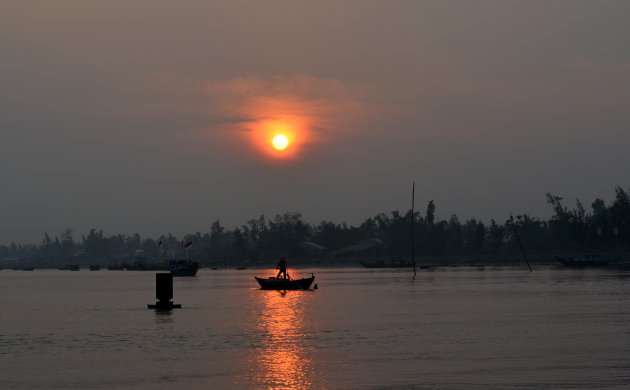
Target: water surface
451 328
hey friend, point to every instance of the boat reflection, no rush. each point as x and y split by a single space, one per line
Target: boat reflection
281 360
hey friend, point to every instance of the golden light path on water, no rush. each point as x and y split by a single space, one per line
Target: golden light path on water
281 361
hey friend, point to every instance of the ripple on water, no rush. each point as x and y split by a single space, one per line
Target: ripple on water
464 328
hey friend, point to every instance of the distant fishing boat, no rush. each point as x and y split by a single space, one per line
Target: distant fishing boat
69 267
272 283
183 267
143 266
587 261
386 264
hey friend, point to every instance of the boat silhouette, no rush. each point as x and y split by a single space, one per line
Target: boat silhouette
273 283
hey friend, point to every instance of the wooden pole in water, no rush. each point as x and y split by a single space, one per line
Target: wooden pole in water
519 242
413 252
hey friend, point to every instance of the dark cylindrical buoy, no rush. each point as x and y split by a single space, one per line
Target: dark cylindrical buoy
164 292
164 286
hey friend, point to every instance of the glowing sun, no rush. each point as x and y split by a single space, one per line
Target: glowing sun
280 142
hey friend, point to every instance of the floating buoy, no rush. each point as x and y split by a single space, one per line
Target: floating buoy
164 292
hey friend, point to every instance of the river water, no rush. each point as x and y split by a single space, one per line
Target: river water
450 328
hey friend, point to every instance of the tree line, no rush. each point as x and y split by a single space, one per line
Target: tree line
603 227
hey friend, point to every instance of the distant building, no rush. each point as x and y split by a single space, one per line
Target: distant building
372 247
312 249
139 254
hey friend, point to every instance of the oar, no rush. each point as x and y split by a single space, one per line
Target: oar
298 284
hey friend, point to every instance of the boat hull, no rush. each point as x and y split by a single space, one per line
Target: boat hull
383 264
72 267
285 284
585 262
183 268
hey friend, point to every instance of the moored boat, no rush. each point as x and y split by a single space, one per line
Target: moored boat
272 283
386 264
144 266
23 268
587 261
183 267
70 267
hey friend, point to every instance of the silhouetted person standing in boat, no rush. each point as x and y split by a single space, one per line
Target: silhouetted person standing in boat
282 266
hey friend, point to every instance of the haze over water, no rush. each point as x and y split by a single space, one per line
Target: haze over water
451 328
132 128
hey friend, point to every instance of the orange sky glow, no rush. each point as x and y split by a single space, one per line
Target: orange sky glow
471 100
262 132
309 111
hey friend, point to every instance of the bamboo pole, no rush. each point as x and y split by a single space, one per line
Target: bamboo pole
413 252
511 220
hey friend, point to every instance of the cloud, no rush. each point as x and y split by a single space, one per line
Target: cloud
309 110
242 114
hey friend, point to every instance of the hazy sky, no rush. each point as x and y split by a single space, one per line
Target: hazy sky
154 116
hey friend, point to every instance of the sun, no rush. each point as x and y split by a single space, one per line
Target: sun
280 142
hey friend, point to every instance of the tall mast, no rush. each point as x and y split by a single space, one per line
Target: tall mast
413 252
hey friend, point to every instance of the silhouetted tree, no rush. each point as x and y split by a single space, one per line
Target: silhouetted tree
455 236
430 215
566 230
496 234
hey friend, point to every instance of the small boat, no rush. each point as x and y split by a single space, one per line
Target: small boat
588 261
143 266
23 268
272 283
70 267
183 267
386 264
95 267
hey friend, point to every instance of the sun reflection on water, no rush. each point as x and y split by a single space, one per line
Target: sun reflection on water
281 360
